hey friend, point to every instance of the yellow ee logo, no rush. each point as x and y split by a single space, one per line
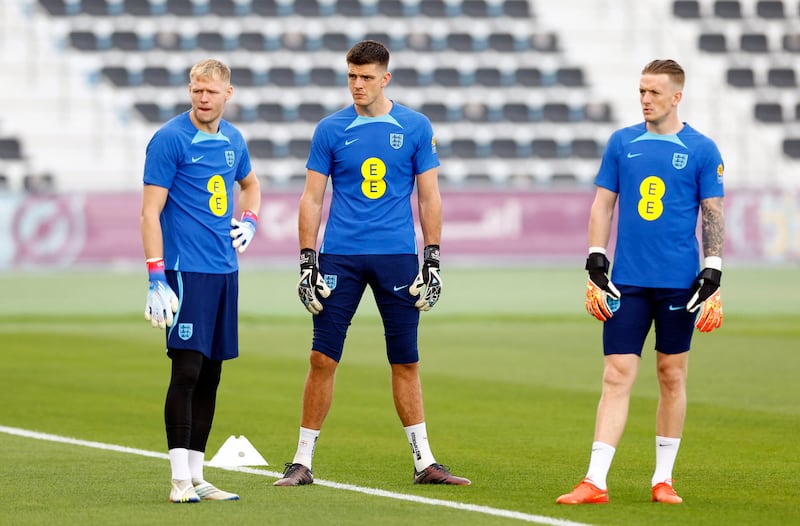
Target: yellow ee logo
218 202
373 170
652 191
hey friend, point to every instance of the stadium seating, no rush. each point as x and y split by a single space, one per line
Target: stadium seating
758 43
495 83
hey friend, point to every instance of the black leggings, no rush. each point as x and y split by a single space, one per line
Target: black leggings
191 399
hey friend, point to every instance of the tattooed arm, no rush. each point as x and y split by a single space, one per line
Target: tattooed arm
713 226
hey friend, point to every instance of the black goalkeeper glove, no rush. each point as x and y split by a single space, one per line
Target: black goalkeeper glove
706 297
429 279
599 288
311 285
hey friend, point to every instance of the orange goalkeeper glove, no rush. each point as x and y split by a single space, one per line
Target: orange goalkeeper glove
706 297
602 297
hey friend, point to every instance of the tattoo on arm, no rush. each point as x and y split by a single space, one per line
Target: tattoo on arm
713 226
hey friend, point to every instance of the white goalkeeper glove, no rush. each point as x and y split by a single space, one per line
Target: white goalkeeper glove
244 230
161 300
602 297
706 296
311 285
428 279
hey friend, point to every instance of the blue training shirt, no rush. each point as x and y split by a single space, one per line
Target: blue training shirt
199 170
661 180
373 163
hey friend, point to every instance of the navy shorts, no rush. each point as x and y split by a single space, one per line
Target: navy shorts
639 309
389 277
207 317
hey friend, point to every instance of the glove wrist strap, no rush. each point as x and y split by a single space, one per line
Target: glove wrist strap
711 275
597 261
431 253
249 215
308 257
155 268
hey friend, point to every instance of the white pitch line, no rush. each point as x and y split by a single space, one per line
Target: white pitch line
486 510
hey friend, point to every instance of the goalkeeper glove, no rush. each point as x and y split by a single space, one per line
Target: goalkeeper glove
161 300
311 284
243 230
428 278
602 297
706 296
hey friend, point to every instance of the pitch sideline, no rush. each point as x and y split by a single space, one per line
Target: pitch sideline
486 510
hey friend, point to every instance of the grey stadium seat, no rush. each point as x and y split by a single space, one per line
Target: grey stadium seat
782 78
769 112
754 43
712 43
686 9
730 9
741 77
770 9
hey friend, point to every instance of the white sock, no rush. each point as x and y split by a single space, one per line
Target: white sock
666 452
179 462
196 460
305 447
417 436
600 463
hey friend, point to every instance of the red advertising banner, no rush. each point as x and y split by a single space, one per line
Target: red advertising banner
499 227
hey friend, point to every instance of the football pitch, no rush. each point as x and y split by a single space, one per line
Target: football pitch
511 369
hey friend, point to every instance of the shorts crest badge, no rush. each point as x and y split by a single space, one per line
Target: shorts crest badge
185 330
330 280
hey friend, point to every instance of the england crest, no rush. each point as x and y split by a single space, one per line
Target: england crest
185 330
679 160
330 280
229 157
396 140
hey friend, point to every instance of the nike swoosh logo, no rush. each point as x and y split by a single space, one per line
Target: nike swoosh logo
351 141
679 307
632 155
401 287
195 159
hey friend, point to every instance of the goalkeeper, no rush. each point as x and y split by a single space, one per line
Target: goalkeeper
191 240
374 152
662 173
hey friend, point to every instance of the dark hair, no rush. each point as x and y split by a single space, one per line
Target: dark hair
368 52
666 67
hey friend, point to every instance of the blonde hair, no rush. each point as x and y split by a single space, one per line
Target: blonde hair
210 69
666 67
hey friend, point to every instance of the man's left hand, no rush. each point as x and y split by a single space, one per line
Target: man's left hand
706 297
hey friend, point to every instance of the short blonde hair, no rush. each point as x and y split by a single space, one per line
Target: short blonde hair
210 69
666 67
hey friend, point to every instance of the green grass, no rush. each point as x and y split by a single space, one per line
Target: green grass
511 374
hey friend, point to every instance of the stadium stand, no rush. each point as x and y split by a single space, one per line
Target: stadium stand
756 42
476 51
512 95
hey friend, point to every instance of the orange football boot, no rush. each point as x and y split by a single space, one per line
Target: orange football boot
664 492
585 493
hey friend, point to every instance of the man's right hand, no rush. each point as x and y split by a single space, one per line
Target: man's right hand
599 289
162 302
311 285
